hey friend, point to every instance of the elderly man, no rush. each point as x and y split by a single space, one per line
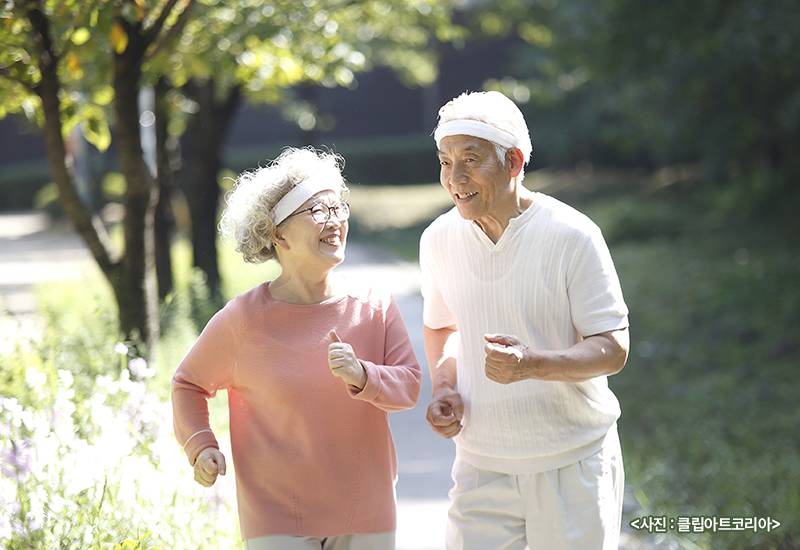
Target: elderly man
524 320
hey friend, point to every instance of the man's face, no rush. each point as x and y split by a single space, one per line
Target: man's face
477 182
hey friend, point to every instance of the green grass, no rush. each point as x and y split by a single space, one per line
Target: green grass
709 395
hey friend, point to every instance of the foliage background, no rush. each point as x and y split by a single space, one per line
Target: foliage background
675 126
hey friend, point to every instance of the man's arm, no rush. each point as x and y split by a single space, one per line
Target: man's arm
446 408
510 360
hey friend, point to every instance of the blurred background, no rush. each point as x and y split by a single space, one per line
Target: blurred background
675 126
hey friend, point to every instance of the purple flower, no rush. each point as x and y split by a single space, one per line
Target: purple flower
16 461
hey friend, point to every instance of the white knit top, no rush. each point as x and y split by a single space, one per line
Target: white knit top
550 281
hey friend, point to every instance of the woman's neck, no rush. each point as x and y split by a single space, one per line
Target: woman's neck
300 288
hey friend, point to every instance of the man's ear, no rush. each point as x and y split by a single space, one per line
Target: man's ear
515 161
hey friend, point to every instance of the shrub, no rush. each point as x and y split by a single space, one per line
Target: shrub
87 455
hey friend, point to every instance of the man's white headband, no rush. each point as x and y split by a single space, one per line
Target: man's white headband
477 129
302 192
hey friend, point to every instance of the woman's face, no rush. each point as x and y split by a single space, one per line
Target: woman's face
311 244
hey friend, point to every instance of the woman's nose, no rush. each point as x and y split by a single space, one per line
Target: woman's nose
334 221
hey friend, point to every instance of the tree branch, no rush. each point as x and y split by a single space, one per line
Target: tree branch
6 73
162 19
155 30
173 31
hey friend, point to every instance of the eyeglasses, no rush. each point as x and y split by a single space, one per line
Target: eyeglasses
321 213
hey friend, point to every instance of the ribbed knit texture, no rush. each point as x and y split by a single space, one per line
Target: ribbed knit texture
549 281
313 457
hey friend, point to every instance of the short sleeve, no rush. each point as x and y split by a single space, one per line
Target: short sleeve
595 294
435 313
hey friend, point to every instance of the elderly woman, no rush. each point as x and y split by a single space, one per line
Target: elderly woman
312 364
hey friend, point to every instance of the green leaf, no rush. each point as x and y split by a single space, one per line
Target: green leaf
119 38
97 133
104 95
81 36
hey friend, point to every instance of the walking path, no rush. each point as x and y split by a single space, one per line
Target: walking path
32 251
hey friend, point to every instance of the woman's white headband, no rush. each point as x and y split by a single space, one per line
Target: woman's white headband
304 191
477 129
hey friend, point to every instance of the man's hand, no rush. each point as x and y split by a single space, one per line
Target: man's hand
343 362
209 464
505 359
510 360
445 413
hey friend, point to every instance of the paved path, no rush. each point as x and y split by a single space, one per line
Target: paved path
32 251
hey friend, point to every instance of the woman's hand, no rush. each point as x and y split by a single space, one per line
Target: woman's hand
209 464
344 364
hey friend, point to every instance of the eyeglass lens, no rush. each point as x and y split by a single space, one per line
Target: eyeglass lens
322 212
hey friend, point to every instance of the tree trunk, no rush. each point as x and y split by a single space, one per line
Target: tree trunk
205 137
136 289
131 275
164 221
88 226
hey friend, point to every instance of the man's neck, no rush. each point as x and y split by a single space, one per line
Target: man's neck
495 225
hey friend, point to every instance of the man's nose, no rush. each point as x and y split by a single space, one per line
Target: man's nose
458 174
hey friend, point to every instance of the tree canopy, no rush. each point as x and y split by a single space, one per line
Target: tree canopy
660 83
76 64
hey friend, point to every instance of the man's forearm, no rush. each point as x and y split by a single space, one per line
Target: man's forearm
441 348
598 355
509 360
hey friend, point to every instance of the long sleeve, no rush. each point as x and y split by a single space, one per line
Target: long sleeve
395 384
206 369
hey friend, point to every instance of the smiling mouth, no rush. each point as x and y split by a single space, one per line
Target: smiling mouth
462 196
333 239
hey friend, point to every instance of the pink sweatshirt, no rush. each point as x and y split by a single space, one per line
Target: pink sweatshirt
313 456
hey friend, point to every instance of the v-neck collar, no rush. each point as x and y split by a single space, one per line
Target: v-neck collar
513 226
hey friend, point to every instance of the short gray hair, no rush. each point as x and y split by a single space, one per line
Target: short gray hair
495 109
247 220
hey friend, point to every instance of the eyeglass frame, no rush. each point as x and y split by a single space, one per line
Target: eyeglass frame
337 206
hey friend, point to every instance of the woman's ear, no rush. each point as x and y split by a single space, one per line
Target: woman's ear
279 240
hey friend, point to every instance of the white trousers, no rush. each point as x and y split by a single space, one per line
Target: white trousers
378 541
578 507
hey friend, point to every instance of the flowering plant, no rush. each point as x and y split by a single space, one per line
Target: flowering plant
90 462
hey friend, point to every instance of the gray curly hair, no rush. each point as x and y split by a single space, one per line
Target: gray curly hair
247 220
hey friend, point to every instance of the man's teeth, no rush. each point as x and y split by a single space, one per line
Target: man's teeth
466 195
331 240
